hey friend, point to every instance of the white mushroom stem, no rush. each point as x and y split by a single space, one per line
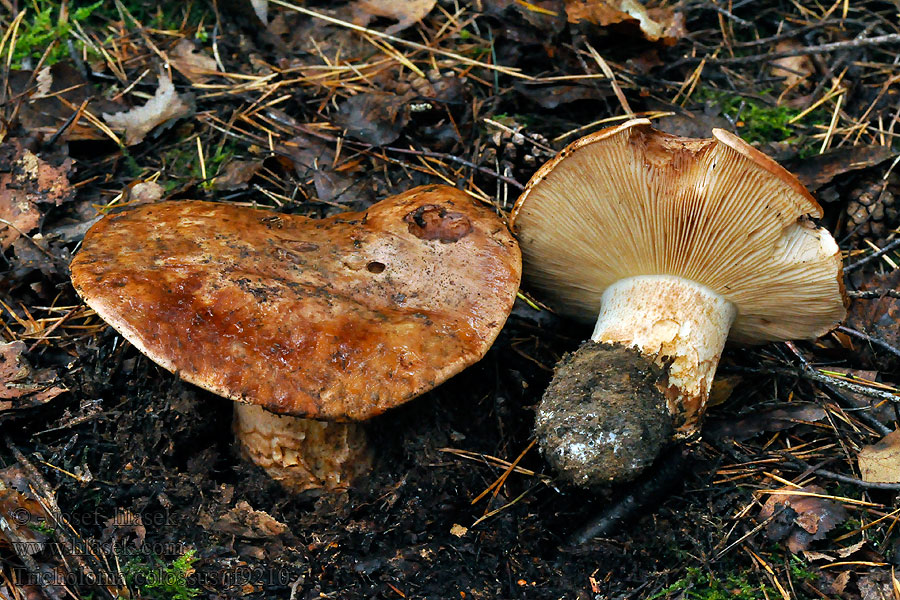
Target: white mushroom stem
678 324
302 454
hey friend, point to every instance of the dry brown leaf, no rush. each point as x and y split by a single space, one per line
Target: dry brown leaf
235 174
840 583
851 549
554 96
49 99
877 584
405 12
124 529
26 180
880 462
799 518
192 63
165 105
243 521
794 69
878 318
659 24
772 419
22 386
816 171
374 118
21 514
145 191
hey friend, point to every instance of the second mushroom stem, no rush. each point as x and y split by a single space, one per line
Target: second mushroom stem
303 454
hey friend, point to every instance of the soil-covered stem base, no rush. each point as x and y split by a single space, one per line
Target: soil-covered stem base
603 417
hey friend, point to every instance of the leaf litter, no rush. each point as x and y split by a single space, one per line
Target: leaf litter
319 108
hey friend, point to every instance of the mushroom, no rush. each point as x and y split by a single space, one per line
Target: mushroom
311 325
670 245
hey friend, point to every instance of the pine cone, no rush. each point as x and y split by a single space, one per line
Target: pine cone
873 207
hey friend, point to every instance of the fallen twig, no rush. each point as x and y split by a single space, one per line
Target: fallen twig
880 40
869 339
889 248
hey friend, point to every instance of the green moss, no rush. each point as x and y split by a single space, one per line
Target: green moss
168 15
181 163
760 120
43 25
158 580
41 527
701 585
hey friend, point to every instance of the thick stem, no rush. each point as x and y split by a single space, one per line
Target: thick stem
304 455
678 324
644 377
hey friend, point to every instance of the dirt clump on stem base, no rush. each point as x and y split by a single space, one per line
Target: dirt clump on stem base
604 414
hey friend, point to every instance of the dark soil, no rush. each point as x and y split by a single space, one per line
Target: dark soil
127 468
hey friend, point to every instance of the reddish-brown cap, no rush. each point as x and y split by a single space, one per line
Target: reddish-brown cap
630 200
338 318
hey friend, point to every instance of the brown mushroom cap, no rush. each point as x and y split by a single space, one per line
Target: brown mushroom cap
630 200
339 318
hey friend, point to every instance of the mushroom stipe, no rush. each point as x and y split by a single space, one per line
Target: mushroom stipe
335 319
670 246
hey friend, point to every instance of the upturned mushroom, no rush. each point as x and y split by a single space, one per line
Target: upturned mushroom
310 325
670 246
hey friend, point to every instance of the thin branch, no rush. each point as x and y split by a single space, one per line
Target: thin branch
873 294
456 159
869 339
881 40
814 375
889 248
805 466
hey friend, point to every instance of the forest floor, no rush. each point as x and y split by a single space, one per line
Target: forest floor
119 480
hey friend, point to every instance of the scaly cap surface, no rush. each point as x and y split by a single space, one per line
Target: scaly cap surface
338 318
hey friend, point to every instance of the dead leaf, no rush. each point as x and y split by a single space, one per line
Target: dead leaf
878 318
816 171
124 529
658 24
51 97
166 105
192 63
812 555
721 389
45 253
21 514
772 419
26 180
800 518
840 583
235 174
880 462
556 95
373 118
844 553
243 521
877 584
145 191
405 12
851 549
793 69
22 386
